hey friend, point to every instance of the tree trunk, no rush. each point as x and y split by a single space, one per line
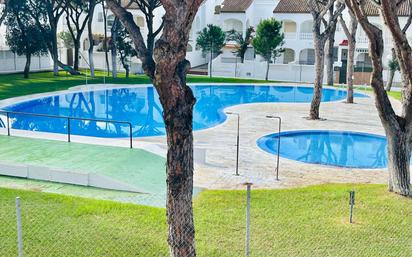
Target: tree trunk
54 53
92 5
319 70
390 80
91 60
399 154
329 58
211 64
349 73
113 48
55 63
126 67
114 62
27 67
105 45
178 120
167 68
76 54
267 70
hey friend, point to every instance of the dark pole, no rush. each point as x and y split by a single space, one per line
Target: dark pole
247 244
68 130
236 67
278 146
131 135
351 204
8 124
237 140
277 165
211 58
237 145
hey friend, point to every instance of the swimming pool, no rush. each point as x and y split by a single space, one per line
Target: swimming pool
141 107
335 148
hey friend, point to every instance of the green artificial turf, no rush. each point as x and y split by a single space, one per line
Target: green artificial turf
310 221
137 168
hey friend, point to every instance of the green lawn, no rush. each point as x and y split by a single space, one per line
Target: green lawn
310 221
395 94
15 85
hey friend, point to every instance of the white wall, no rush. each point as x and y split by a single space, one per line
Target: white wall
10 63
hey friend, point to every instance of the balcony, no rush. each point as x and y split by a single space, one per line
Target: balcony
306 36
362 39
290 35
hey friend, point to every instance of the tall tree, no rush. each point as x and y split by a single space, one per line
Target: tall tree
167 68
211 40
350 32
114 31
398 127
319 9
92 6
393 66
77 16
148 7
124 48
242 43
23 36
3 12
105 45
330 55
268 41
49 12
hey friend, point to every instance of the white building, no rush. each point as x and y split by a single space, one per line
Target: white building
295 64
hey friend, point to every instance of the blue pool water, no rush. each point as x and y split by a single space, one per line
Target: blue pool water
142 108
344 149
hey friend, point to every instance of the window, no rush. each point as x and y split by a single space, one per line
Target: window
100 17
140 22
110 21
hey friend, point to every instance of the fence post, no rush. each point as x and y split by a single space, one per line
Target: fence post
19 228
351 203
8 123
68 130
131 135
247 246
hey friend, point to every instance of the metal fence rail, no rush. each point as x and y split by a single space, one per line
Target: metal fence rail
69 119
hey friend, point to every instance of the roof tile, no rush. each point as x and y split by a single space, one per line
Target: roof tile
236 5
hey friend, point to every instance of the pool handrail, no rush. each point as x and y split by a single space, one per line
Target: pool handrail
278 145
68 118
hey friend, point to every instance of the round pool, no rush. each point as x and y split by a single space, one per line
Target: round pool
141 107
335 148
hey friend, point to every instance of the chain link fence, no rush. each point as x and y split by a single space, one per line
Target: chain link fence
276 223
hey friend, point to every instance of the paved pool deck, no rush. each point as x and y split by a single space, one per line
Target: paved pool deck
217 170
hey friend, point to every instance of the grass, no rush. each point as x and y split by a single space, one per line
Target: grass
310 221
395 94
13 85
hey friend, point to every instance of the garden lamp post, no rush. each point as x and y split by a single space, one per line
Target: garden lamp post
237 142
279 130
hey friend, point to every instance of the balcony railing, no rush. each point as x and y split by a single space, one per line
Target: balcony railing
306 36
362 40
290 35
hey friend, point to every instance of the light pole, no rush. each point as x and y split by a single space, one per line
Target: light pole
279 130
237 140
